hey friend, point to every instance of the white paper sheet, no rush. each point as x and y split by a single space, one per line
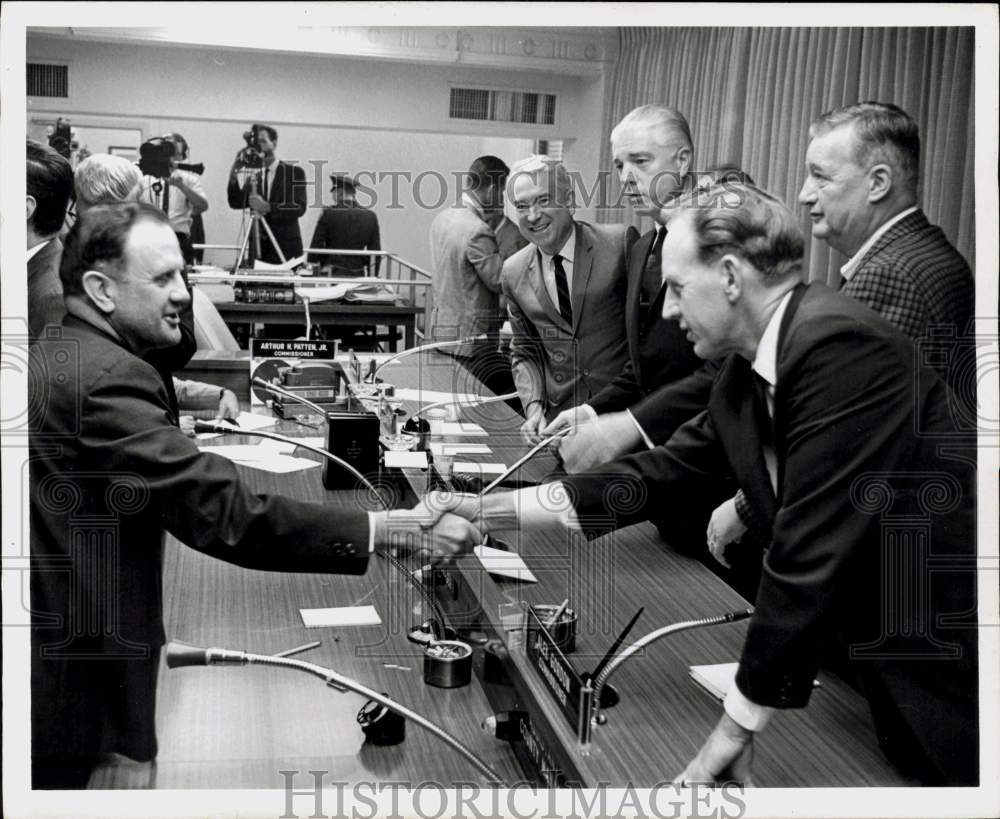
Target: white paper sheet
406 459
343 616
475 468
504 564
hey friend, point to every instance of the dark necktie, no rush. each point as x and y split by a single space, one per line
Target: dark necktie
263 191
562 289
652 276
765 424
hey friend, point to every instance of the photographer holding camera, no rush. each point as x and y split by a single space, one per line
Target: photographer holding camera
273 190
177 192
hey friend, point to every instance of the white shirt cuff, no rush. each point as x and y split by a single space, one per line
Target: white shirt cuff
371 532
744 712
642 433
545 506
589 411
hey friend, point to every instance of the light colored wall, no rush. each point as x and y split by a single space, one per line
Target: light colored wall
332 114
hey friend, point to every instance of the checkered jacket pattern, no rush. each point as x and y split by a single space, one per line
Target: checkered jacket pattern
915 279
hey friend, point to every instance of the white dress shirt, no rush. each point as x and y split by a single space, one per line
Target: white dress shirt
549 270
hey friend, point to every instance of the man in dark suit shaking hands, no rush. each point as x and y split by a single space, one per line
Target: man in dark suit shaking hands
276 192
825 419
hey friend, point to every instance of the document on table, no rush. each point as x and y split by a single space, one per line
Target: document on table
244 421
406 459
476 468
269 456
504 564
343 616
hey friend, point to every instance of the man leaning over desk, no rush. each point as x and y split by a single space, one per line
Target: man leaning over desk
111 473
835 433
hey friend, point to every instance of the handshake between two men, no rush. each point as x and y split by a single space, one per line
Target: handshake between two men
444 525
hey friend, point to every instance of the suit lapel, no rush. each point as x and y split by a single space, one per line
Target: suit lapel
779 420
537 278
583 263
737 420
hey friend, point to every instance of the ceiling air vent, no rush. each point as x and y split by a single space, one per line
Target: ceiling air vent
502 106
47 80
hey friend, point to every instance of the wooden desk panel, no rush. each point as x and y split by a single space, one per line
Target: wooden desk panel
344 315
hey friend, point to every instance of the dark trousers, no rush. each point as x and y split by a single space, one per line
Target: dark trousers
491 367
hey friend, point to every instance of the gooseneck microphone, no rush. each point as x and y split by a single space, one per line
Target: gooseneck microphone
478 401
437 345
600 680
531 453
180 654
209 426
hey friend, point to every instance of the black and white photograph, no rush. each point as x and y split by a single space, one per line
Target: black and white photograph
526 410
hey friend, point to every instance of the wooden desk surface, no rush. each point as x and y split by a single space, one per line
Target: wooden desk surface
224 727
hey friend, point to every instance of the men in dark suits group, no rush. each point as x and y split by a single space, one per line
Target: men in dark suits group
346 225
862 172
110 472
847 446
48 192
565 294
465 290
653 156
276 192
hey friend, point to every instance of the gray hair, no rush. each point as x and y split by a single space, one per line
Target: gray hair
536 165
103 178
884 133
666 124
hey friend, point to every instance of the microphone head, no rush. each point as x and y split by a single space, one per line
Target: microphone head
180 654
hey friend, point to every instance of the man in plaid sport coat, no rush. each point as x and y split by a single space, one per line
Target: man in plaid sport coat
861 189
863 166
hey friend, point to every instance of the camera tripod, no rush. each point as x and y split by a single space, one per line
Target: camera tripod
252 228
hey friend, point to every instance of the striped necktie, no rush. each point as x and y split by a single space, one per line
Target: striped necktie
562 289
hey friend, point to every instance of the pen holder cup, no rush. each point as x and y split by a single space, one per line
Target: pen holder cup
563 631
448 664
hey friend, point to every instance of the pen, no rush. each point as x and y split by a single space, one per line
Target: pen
557 614
298 649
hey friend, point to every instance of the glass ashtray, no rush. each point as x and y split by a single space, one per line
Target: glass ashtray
399 442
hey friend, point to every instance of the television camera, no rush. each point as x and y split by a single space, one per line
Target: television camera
251 156
61 138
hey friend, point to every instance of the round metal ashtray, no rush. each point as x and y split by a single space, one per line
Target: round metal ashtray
448 664
563 631
400 442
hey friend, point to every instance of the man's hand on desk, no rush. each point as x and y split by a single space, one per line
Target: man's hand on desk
229 406
598 442
724 527
726 756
